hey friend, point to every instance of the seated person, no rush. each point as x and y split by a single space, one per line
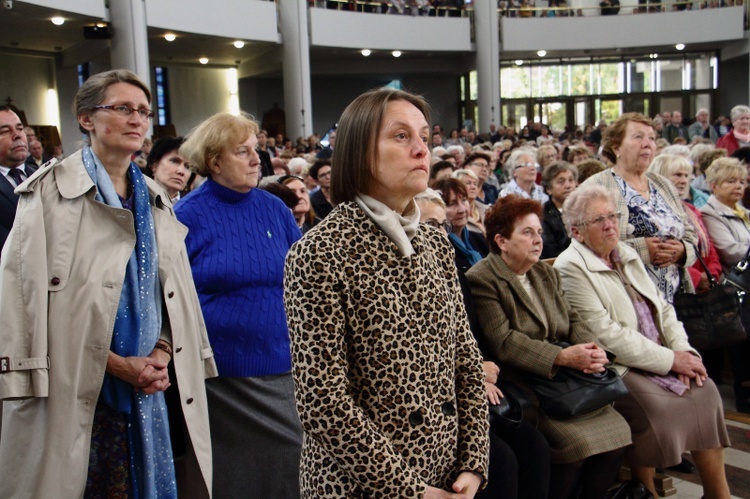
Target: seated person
477 208
470 246
522 311
519 457
672 406
558 180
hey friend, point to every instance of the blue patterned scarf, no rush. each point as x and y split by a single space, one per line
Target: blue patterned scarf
137 328
463 246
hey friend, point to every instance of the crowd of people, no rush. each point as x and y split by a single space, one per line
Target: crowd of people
238 314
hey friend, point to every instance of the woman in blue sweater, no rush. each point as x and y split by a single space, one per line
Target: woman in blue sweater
238 239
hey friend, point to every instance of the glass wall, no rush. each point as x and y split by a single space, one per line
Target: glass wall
572 94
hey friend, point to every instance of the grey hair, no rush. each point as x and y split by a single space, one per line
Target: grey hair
701 110
459 174
738 111
455 149
574 208
430 196
698 150
667 164
677 150
515 158
298 165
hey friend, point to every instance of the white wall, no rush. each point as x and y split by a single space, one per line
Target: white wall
26 81
242 19
607 32
196 94
334 28
93 8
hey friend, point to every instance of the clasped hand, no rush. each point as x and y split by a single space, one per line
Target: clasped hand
586 357
664 252
144 373
687 366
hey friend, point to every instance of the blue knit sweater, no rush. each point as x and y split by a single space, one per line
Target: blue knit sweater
237 244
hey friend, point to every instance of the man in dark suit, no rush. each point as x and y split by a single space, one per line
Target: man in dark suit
14 150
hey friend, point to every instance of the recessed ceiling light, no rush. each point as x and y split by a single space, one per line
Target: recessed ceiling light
396 53
680 46
203 60
239 44
57 21
519 62
170 37
366 52
541 53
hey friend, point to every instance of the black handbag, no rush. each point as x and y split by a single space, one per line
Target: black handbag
571 392
712 319
509 412
739 277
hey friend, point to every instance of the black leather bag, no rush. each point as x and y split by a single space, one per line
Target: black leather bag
509 412
712 319
739 277
571 392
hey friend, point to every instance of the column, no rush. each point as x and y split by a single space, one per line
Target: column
487 41
129 49
293 22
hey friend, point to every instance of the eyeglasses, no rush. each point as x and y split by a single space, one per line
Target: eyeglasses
527 165
481 165
599 221
326 174
145 114
446 226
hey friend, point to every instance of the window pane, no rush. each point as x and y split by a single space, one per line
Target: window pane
641 77
546 81
701 76
671 75
609 79
580 79
473 85
515 82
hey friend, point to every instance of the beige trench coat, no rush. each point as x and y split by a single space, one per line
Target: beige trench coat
61 273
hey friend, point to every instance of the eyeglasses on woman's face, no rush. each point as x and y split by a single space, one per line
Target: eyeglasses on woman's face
446 226
126 111
598 222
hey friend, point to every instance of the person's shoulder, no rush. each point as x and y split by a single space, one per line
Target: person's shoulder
604 177
340 225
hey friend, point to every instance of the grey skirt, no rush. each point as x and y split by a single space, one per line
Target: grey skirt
256 437
664 424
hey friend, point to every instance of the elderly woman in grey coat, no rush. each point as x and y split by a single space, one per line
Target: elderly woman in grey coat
672 406
523 314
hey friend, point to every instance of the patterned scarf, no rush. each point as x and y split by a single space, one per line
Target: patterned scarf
647 327
137 328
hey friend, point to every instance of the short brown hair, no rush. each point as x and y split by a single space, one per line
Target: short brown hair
555 169
588 168
615 133
214 137
502 216
356 141
447 186
93 91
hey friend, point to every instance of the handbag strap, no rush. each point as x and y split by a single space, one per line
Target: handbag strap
711 280
743 264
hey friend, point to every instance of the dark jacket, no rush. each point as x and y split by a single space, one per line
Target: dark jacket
554 235
8 203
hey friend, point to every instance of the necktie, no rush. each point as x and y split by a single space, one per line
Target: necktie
15 174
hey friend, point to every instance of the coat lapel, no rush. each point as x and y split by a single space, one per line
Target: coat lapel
502 271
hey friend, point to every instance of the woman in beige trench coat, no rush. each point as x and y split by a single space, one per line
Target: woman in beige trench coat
63 270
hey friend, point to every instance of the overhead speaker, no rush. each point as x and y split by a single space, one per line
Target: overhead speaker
99 32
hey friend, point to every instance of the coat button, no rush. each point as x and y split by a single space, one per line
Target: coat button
178 349
171 294
55 281
190 400
448 409
415 418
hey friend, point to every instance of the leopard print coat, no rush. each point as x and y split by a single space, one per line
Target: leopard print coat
388 378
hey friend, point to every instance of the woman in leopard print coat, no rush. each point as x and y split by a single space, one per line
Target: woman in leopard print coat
388 377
